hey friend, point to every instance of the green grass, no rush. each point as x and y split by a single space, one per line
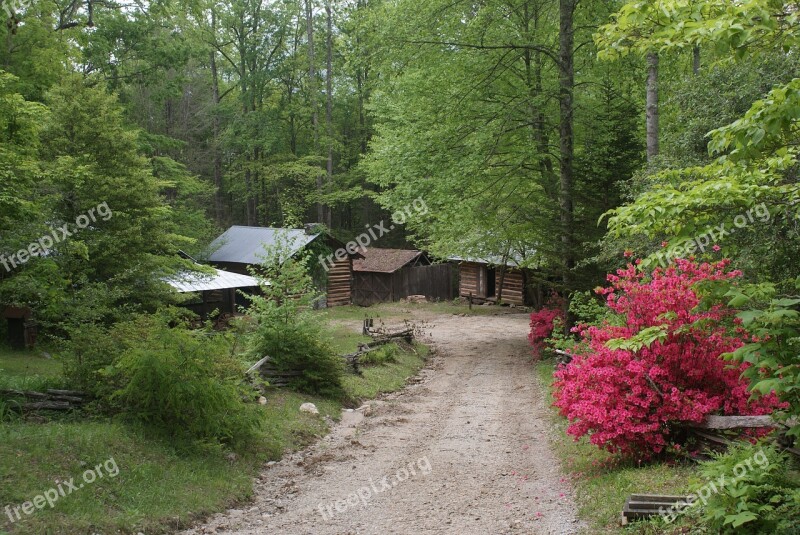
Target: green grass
385 378
399 311
346 339
160 487
28 370
602 482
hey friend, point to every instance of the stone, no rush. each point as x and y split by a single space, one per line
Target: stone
309 408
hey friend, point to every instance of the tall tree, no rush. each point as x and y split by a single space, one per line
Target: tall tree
652 105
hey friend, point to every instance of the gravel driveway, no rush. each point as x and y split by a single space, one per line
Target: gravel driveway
463 449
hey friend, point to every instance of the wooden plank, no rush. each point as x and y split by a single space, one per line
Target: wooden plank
736 422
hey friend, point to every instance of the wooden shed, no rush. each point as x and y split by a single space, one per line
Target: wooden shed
386 275
213 292
490 280
240 247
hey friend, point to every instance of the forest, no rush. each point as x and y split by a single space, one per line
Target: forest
655 141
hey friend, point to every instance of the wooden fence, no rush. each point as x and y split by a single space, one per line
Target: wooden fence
437 282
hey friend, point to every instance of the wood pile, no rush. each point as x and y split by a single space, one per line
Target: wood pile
52 399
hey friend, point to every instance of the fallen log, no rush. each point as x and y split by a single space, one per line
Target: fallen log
48 406
52 399
74 393
386 338
737 422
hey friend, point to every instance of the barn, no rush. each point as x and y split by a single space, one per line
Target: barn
239 248
386 275
492 280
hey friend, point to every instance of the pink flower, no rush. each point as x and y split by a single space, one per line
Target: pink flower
627 401
716 248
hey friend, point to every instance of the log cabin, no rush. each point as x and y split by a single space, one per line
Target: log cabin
240 248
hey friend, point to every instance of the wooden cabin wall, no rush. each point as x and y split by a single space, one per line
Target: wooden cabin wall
340 279
513 287
469 279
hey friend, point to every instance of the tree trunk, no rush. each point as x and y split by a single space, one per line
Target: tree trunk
218 202
566 142
652 106
696 60
312 85
329 103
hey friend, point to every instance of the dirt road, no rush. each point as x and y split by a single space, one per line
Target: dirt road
462 450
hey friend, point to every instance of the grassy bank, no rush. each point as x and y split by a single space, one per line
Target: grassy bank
602 482
161 486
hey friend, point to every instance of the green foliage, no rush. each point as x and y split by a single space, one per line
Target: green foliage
774 322
754 491
755 158
588 309
286 329
466 121
384 355
186 384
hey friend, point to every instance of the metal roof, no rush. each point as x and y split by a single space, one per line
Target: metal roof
199 282
492 260
248 245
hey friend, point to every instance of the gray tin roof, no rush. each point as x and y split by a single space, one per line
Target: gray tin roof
221 280
248 245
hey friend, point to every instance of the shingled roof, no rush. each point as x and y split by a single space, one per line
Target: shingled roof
384 260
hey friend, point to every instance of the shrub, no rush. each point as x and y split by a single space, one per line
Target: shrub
544 321
287 330
186 384
384 355
629 384
753 491
772 354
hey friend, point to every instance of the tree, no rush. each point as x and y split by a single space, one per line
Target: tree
465 119
755 156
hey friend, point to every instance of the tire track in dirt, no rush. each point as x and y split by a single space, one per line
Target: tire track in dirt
476 416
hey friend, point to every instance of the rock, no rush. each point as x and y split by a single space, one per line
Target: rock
309 408
262 400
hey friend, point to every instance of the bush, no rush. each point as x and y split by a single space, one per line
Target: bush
384 355
628 384
288 331
186 384
753 491
543 323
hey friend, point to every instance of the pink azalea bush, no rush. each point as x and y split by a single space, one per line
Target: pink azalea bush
543 323
627 400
